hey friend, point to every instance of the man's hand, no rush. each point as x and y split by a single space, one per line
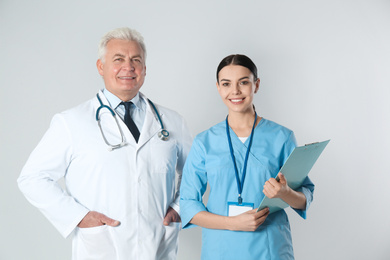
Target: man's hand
95 219
171 216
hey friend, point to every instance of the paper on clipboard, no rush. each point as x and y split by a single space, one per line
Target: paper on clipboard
295 169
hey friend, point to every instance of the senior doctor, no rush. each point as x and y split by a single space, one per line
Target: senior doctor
121 199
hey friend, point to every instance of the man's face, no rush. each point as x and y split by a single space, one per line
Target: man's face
124 68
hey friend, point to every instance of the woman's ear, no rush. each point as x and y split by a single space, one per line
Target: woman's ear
257 83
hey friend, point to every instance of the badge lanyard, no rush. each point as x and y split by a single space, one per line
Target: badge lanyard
240 184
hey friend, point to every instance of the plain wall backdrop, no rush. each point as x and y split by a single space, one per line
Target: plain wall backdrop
325 73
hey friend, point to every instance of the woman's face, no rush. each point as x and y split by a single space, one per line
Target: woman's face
237 86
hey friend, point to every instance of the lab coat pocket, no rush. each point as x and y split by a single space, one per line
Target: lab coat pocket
168 246
96 243
164 154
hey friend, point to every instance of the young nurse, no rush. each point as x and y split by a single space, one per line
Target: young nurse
238 158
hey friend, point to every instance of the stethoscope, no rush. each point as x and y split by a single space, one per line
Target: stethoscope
163 134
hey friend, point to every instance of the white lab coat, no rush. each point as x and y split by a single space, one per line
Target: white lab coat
135 184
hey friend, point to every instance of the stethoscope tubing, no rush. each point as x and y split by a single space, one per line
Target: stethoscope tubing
163 134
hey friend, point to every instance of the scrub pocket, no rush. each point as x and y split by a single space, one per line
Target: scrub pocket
280 241
95 243
168 245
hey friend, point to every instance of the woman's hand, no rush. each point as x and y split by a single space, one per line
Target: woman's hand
280 189
248 221
276 189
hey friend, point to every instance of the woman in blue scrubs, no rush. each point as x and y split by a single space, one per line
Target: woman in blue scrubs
238 158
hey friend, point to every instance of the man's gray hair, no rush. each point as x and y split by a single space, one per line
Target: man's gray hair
123 33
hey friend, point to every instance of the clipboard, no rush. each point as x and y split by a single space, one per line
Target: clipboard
295 170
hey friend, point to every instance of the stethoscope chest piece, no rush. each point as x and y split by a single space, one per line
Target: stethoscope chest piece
163 135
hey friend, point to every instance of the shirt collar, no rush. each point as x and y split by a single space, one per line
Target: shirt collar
115 101
137 101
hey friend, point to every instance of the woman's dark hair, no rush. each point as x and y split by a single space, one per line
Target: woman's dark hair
238 59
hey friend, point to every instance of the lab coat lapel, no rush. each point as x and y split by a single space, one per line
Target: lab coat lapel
151 124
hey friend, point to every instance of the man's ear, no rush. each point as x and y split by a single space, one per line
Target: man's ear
99 65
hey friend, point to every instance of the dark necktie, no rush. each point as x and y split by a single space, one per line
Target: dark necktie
129 121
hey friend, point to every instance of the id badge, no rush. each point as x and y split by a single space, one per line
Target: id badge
235 209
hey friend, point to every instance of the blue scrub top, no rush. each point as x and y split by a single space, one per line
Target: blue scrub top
209 161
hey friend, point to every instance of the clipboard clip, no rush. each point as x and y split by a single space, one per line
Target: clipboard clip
311 143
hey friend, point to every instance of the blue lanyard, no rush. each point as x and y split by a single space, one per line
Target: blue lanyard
240 185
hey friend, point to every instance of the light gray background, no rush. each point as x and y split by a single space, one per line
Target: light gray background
325 73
